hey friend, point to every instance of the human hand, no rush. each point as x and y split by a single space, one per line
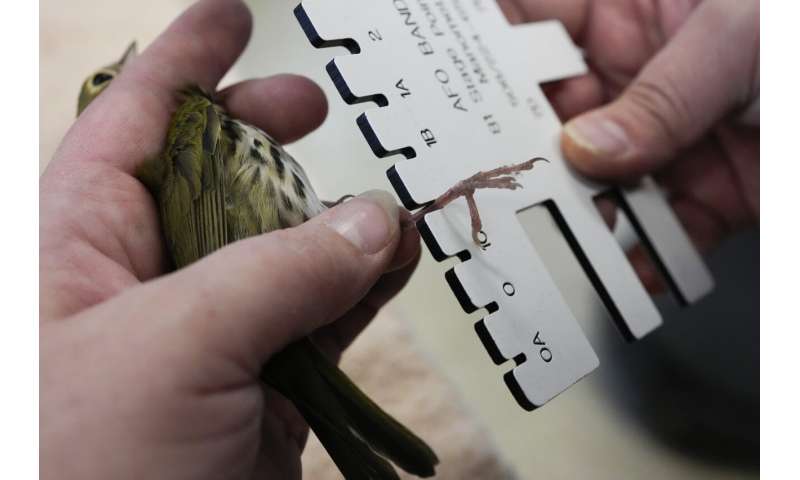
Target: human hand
148 377
673 90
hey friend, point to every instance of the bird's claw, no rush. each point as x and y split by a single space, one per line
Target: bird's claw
338 202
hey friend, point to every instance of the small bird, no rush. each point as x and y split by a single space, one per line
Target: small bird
219 180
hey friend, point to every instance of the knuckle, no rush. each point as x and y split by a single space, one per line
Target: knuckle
317 259
663 107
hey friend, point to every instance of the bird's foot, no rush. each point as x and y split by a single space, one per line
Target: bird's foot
502 177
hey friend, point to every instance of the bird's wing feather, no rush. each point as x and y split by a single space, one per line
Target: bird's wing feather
293 373
194 212
379 429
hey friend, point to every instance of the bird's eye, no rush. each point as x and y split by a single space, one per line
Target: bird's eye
100 78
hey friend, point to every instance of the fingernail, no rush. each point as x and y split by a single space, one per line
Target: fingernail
598 135
368 221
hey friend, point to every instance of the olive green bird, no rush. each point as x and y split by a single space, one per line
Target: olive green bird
219 180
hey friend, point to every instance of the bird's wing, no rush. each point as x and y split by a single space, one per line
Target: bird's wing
194 212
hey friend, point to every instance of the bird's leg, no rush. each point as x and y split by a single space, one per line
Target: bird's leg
501 177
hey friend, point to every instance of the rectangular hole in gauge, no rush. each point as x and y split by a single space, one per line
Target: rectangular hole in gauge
633 241
571 272
570 268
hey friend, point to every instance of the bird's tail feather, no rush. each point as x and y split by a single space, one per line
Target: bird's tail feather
380 430
351 455
349 424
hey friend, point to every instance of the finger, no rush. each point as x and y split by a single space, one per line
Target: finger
572 14
691 84
334 338
337 336
409 248
575 95
197 48
128 122
607 207
254 297
512 10
705 188
647 271
283 437
285 106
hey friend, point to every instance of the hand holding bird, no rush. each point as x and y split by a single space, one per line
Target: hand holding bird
218 180
164 372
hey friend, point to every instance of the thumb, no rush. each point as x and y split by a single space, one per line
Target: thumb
707 71
253 297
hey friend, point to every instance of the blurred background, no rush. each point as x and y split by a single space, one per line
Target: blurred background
682 403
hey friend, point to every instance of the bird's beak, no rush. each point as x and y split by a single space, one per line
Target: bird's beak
131 52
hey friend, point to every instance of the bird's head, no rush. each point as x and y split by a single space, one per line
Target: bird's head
99 80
